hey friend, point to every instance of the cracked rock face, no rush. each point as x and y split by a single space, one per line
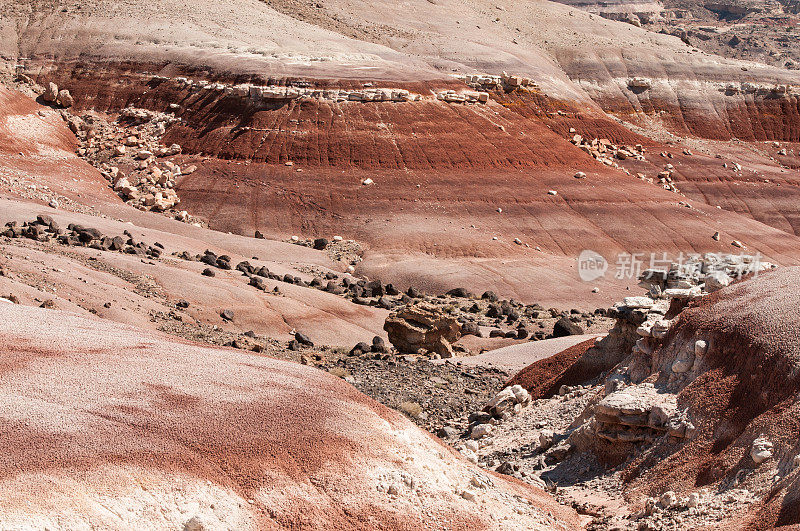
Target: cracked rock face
422 327
638 413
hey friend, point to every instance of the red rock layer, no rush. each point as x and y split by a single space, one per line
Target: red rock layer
441 172
545 377
407 136
745 117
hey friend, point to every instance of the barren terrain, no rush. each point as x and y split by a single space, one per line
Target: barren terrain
280 264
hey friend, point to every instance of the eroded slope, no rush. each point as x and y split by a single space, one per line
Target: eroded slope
145 430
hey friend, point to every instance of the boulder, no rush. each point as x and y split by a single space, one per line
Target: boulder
373 289
385 303
86 235
64 98
422 326
471 329
379 345
458 292
258 282
700 347
564 327
360 348
481 430
44 219
509 400
681 366
303 339
391 290
51 93
245 267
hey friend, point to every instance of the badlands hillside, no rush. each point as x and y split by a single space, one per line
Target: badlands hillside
441 169
315 265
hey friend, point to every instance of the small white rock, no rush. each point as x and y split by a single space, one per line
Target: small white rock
700 347
481 430
472 446
761 450
668 499
694 500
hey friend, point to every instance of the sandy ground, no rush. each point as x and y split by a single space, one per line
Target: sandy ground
515 357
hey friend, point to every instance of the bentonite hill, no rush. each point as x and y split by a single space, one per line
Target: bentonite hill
431 264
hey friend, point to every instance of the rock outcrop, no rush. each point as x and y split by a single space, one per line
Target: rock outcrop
639 413
706 395
422 327
261 95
